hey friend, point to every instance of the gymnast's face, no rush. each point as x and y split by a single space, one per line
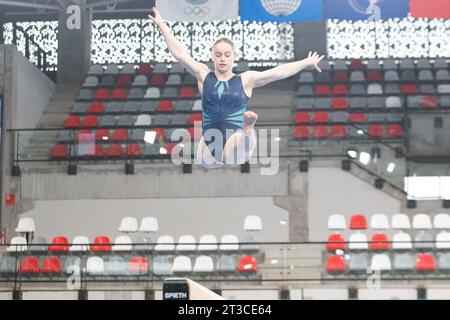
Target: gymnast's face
223 57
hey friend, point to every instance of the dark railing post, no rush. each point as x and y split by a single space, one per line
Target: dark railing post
14 39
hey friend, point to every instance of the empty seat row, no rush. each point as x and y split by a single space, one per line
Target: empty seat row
139 81
376 76
372 89
380 241
341 131
346 117
382 262
385 64
138 93
143 68
399 221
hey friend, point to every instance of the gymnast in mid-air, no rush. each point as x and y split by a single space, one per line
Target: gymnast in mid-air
228 135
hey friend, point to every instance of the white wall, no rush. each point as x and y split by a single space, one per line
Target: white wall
33 91
49 295
387 294
250 294
325 294
334 191
116 295
438 294
197 216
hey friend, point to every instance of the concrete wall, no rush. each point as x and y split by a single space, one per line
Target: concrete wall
334 191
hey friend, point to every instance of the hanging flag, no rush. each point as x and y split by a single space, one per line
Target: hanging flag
281 10
198 10
370 10
433 9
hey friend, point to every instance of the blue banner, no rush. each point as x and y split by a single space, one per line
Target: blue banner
281 10
371 10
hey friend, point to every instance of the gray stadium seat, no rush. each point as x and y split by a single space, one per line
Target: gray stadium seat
180 119
392 89
137 134
357 76
408 75
149 106
339 116
197 105
95 266
169 93
107 81
440 63
305 103
413 102
426 75
160 68
161 120
116 266
444 101
80 107
152 149
142 242
125 121
128 69
184 105
407 64
323 76
444 88
140 80
340 65
357 89
373 65
114 107
64 136
95 69
358 263
393 102
174 80
85 94
107 121
322 103
325 65
91 82
38 244
358 103
427 89
189 80
403 262
132 106
444 262
442 75
426 237
375 103
112 69
177 68
152 93
374 88
376 117
162 266
136 93
389 64
242 66
423 64
391 75
306 76
394 117
143 120
305 90
226 264
8 265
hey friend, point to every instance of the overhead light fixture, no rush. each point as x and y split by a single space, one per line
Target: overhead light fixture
150 137
364 158
390 167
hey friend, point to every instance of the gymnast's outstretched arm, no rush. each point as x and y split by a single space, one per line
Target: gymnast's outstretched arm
254 79
178 50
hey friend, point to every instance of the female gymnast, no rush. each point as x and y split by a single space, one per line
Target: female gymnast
228 135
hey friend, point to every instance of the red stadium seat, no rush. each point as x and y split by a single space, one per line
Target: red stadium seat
59 151
195 117
323 89
340 89
247 264
96 107
186 92
138 265
301 132
72 121
358 222
114 150
357 117
302 117
429 102
376 130
101 244
97 151
321 117
338 131
409 89
119 94
85 135
102 135
144 68
165 106
425 262
90 121
119 135
124 80
394 131
157 80
29 265
134 149
374 76
51 265
320 132
379 242
336 242
356 64
336 264
59 244
339 103
102 94
160 133
340 76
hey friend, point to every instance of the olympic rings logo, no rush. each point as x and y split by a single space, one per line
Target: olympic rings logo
197 11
